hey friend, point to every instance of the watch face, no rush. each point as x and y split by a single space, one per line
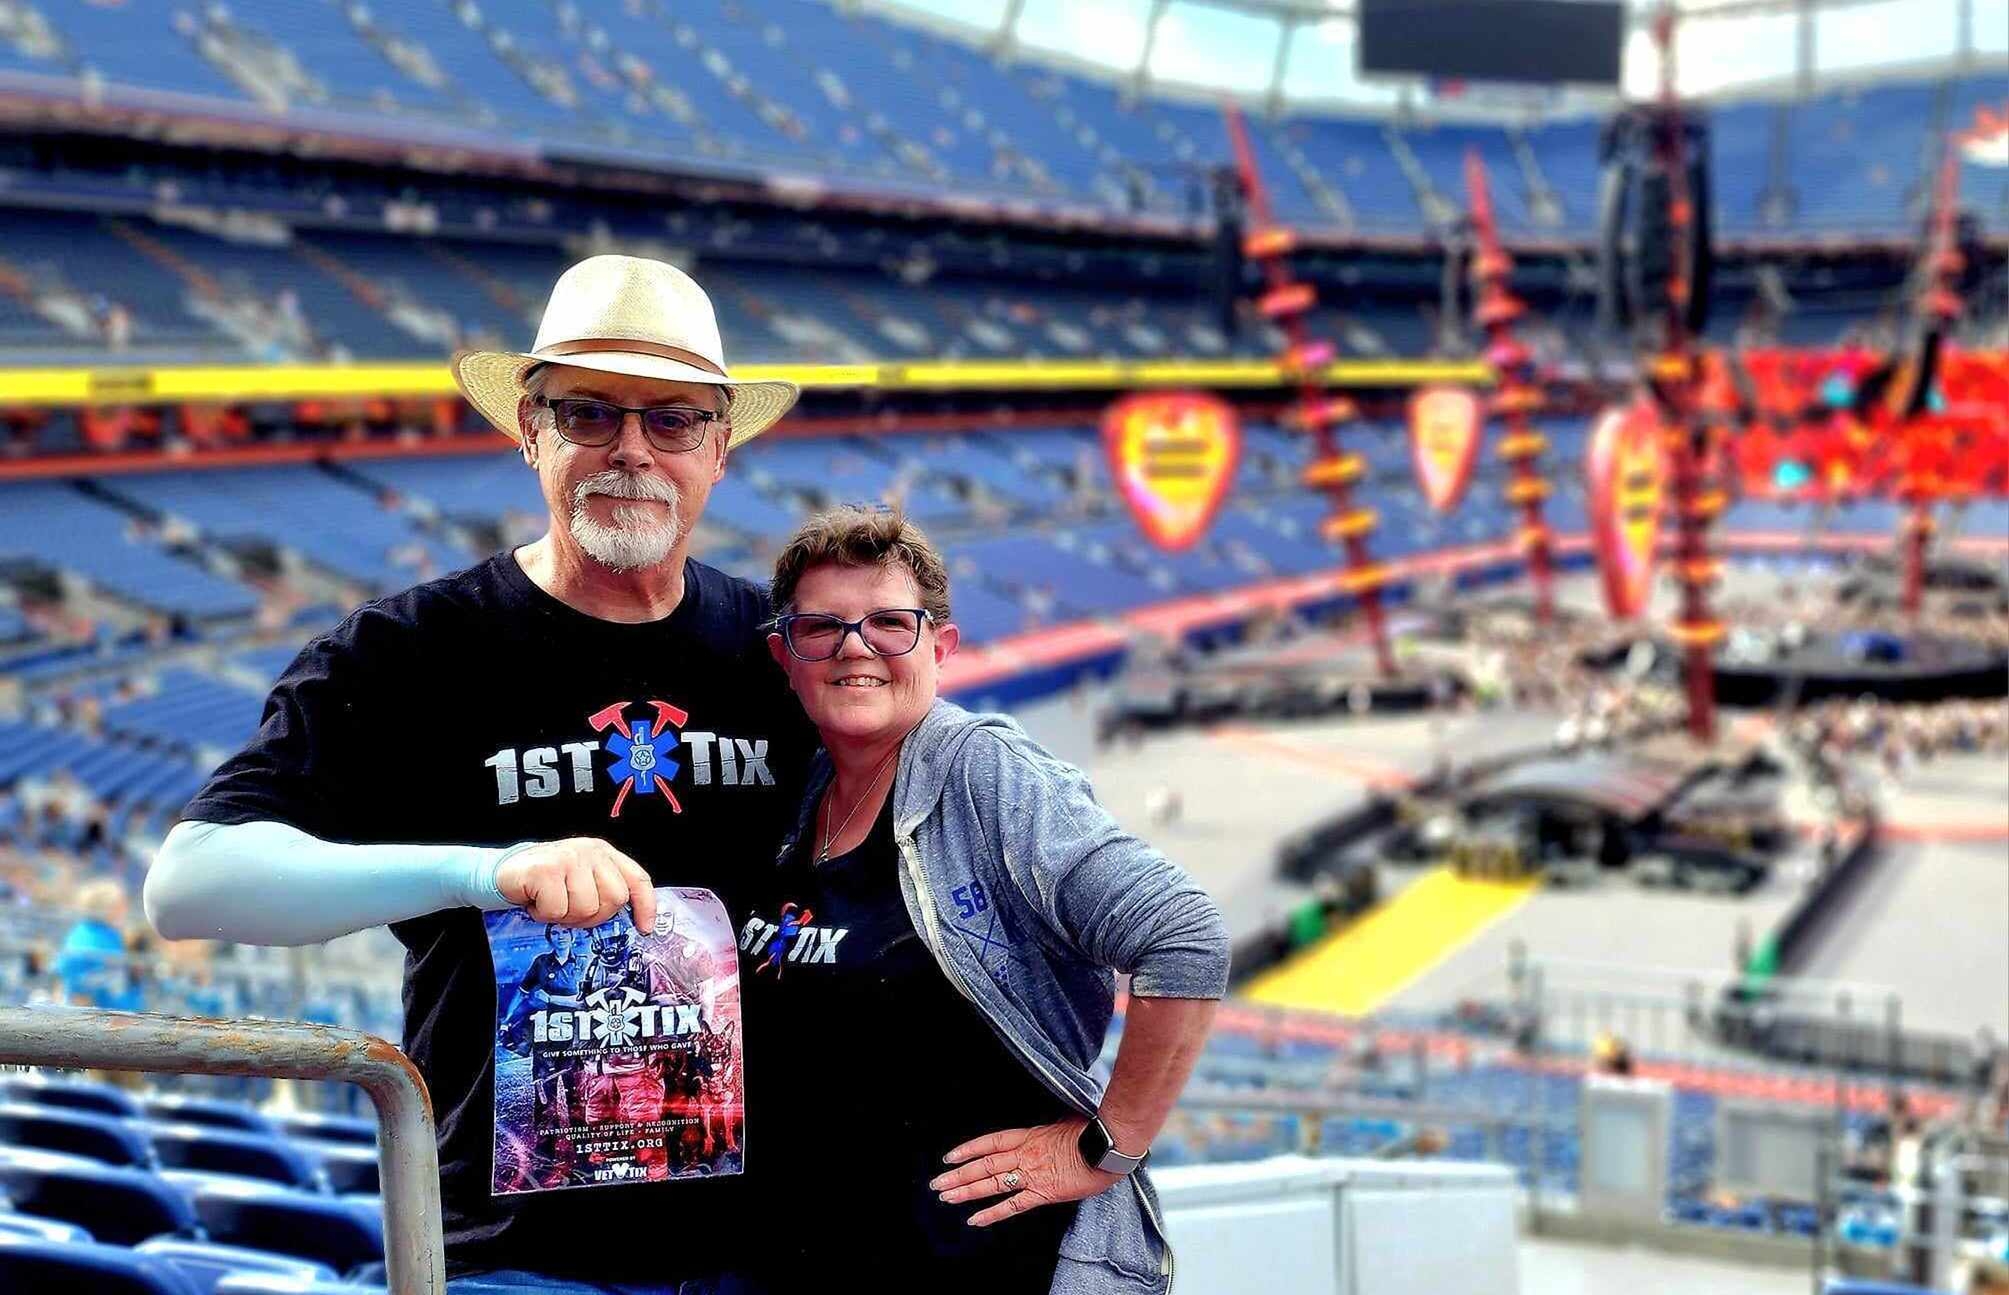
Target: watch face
1098 1151
1095 1144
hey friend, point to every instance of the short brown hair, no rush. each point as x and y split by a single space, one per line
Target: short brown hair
851 536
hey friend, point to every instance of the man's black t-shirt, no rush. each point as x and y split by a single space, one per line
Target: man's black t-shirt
866 1066
478 709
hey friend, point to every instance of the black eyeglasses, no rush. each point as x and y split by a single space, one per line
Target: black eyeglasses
813 636
673 429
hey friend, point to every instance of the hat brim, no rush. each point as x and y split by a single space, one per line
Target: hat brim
492 381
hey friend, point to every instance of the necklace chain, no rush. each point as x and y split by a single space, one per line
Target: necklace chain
823 854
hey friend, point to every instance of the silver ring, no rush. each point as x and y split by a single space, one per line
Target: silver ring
1012 1181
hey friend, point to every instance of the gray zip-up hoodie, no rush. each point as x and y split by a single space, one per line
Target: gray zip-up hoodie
1031 899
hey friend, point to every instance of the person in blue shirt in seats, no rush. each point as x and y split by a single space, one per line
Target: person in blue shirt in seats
92 967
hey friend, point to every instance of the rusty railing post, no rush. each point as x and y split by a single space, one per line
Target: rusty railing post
84 1038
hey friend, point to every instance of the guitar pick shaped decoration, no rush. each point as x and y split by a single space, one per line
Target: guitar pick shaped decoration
1627 471
1443 442
1173 454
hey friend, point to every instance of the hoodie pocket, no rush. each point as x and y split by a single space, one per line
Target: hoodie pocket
1110 1229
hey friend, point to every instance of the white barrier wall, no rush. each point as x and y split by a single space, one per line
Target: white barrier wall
1342 1227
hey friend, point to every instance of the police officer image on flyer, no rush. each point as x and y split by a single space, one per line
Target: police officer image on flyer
558 729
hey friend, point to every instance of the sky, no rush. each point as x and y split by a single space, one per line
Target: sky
1204 45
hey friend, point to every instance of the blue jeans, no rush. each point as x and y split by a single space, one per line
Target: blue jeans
510 1281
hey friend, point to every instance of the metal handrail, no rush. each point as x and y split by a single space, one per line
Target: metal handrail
87 1038
1317 1105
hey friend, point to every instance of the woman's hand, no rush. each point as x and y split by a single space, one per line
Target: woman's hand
1028 1167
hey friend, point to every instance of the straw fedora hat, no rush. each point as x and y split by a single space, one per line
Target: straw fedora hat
628 315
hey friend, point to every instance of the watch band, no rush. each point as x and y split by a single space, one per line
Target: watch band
1098 1149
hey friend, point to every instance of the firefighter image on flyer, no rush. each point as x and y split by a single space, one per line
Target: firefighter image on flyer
617 1052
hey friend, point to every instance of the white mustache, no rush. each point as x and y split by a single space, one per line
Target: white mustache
616 484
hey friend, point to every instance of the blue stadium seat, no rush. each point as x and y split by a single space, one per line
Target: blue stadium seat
319 1228
205 1263
27 1227
65 528
275 1284
103 1138
117 1206
369 1208
329 520
216 1150
348 1167
59 1268
321 1127
76 1094
175 1109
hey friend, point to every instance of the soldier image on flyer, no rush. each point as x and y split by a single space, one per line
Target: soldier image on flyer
617 1053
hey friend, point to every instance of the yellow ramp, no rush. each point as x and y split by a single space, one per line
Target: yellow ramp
1358 969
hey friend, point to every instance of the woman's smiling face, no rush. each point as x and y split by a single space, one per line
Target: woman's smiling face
859 696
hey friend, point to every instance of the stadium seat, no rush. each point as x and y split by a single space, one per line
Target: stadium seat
117 1206
327 1128
217 1150
103 1138
320 1228
28 1227
275 1284
205 1263
58 1268
172 1109
349 1169
83 1095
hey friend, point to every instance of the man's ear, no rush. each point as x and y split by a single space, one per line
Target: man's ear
526 431
779 651
947 639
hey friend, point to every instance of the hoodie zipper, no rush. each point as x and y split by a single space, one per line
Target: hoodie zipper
930 920
931 932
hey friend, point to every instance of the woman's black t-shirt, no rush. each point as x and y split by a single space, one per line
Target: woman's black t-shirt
478 709
865 1066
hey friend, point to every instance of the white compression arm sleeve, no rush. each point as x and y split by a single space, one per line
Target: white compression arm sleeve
269 883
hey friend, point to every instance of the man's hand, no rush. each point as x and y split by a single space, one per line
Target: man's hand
582 881
1028 1167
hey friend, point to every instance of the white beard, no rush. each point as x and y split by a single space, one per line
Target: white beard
636 537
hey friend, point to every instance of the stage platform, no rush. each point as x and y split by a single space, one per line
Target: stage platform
1247 787
1361 968
1897 668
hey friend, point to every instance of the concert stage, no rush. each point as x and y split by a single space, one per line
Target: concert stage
1675 813
1317 674
1765 670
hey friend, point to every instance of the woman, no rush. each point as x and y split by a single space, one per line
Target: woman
931 972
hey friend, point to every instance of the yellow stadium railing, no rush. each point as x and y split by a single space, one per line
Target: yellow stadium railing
232 384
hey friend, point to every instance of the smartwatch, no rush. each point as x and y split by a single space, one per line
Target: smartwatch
1098 1149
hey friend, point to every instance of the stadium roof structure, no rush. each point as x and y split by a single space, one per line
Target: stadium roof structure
1283 54
1088 120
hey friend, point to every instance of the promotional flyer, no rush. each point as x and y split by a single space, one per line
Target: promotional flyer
617 1052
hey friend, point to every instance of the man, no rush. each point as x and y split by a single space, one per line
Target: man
560 727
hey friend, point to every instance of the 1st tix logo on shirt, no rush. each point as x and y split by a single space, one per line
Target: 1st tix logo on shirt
646 752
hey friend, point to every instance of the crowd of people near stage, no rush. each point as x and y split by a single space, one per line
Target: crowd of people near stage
1898 737
1604 690
1792 616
